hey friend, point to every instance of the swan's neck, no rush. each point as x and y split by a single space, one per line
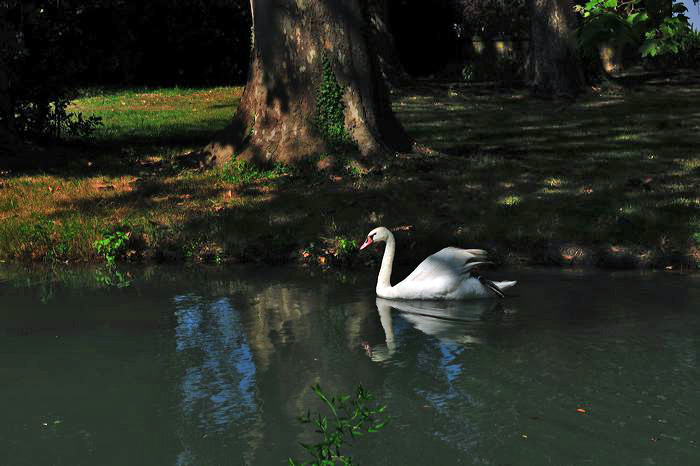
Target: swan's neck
384 279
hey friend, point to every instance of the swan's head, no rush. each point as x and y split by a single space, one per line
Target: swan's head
378 234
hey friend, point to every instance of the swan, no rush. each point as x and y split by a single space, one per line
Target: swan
444 275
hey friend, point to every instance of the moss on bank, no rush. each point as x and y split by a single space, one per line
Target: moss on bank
611 180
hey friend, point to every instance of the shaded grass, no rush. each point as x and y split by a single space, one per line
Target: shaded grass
611 180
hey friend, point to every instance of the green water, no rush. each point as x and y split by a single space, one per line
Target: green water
167 366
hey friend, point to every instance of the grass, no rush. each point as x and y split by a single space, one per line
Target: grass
161 114
612 179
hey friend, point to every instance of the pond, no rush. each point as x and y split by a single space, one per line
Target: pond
212 366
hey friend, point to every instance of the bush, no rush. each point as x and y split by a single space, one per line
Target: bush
53 121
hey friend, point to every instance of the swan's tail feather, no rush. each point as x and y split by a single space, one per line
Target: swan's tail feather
491 286
505 285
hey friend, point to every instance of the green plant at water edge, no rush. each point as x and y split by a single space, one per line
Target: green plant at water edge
345 247
330 108
112 245
350 417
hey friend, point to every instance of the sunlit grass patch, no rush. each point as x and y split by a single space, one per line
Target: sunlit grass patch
160 113
691 164
510 201
241 171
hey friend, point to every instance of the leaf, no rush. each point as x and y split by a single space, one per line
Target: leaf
649 47
679 8
310 448
380 425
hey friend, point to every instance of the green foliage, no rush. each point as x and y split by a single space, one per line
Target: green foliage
40 238
53 120
330 108
667 38
240 171
689 48
350 417
112 245
696 238
620 23
345 248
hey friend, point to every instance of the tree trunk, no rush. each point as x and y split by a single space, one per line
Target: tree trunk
275 121
382 42
7 136
554 68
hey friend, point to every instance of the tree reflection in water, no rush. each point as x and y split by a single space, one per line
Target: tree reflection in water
217 387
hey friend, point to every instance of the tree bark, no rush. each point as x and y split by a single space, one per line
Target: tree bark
554 69
274 121
7 137
383 44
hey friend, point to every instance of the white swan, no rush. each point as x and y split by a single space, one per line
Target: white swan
444 275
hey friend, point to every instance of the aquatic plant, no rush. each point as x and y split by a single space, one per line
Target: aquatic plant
351 417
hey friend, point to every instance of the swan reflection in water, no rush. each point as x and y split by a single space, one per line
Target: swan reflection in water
458 322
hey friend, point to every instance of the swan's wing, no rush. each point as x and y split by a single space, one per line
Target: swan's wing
491 286
447 264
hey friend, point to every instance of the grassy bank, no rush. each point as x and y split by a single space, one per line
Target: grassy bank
611 180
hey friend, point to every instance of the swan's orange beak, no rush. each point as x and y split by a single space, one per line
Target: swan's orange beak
367 242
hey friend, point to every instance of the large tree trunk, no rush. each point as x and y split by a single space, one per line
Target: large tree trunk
554 68
275 118
383 44
7 136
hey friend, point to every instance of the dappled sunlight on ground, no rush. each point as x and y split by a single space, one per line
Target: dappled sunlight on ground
531 180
